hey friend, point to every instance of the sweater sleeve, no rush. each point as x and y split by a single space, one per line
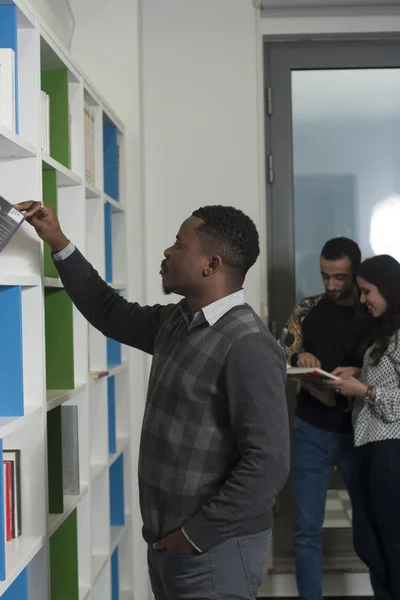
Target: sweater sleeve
254 377
126 322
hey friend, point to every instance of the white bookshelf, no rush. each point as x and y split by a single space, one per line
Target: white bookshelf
95 525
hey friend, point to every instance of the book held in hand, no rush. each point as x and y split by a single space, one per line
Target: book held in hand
309 374
10 221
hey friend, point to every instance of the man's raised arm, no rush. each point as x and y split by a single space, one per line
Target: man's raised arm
126 322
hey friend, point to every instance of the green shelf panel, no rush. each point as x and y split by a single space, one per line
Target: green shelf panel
59 340
50 197
55 84
64 561
55 461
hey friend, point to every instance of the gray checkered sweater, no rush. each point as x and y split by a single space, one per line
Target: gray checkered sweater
214 449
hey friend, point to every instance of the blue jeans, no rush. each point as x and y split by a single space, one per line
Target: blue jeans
315 453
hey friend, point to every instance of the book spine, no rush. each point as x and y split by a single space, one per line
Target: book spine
13 456
5 498
8 487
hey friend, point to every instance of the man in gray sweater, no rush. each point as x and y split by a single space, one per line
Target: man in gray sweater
214 450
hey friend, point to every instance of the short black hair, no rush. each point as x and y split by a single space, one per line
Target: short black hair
343 247
231 234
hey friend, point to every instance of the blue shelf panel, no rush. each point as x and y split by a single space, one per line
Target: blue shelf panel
114 353
117 512
12 387
108 241
114 350
2 524
112 435
18 590
115 575
8 39
110 149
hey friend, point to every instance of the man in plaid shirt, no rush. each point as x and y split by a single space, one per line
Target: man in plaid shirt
214 450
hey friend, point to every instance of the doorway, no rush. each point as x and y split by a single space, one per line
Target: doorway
333 150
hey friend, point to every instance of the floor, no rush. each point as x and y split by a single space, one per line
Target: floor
338 509
338 515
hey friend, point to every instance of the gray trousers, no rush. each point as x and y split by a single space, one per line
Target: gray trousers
231 570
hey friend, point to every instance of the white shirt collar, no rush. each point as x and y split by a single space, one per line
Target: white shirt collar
214 311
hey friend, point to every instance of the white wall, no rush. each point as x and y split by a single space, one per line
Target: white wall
57 16
201 120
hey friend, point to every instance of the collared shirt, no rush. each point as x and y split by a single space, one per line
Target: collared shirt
214 449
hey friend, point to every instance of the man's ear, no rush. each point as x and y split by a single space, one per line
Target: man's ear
213 264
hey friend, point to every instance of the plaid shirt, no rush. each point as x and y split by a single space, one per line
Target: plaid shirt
214 450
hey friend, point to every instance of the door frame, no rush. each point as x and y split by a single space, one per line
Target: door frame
280 58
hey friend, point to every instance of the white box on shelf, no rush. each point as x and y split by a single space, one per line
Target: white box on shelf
7 88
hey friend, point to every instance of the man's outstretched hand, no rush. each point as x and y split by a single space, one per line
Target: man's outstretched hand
45 221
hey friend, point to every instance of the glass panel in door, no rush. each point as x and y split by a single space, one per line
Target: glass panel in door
346 157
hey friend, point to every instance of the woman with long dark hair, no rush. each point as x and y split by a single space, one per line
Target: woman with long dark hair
376 420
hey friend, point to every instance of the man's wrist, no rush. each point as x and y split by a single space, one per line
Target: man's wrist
59 243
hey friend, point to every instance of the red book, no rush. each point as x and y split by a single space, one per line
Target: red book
9 504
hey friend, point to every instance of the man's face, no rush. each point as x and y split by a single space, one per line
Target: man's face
182 271
337 277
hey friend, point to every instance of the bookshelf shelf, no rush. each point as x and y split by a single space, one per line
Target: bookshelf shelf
122 444
117 533
70 504
19 553
116 206
8 279
9 425
118 368
117 285
52 282
98 563
55 398
75 496
96 470
84 592
65 177
13 146
92 192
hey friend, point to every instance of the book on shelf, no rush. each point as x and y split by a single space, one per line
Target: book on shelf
7 88
89 144
12 493
10 221
98 374
309 374
70 450
45 111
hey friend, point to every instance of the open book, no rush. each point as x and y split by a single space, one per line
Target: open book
311 375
